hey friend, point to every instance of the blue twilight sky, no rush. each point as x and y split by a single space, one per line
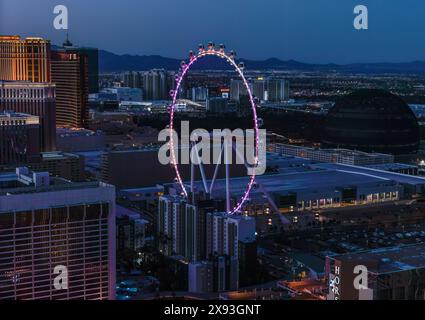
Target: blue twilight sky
306 30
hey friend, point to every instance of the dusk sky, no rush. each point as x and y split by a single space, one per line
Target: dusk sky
317 31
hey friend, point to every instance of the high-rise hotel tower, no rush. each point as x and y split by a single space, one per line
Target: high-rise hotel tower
24 59
71 77
57 238
25 83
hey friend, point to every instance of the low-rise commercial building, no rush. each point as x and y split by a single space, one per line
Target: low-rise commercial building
395 273
19 138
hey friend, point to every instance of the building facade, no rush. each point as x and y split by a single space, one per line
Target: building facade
237 89
131 230
37 99
92 55
157 84
259 88
342 156
19 142
59 164
220 105
125 93
393 273
277 90
49 225
70 74
199 94
24 59
79 140
133 79
207 240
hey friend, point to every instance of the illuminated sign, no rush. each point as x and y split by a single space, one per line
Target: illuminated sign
335 282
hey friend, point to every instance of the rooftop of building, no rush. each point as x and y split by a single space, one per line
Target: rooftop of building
375 173
12 116
240 217
174 198
138 150
69 131
388 260
355 153
338 151
122 212
18 38
58 155
28 84
310 261
136 103
300 174
10 37
25 181
302 285
255 294
391 166
153 189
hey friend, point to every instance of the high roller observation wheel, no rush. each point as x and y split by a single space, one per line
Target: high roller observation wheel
211 51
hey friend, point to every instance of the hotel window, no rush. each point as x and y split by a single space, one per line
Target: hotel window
59 215
7 220
76 213
93 211
24 219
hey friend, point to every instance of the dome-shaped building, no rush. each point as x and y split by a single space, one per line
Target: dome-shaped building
372 121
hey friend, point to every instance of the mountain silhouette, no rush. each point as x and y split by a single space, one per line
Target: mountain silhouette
110 62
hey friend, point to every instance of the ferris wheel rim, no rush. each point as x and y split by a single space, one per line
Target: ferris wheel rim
185 69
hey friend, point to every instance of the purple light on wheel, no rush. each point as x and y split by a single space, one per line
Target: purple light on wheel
179 79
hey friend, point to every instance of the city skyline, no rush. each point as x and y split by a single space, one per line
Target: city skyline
322 32
218 176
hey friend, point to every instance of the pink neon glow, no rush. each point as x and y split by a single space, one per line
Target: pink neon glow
179 79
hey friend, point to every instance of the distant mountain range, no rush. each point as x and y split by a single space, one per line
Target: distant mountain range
110 62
